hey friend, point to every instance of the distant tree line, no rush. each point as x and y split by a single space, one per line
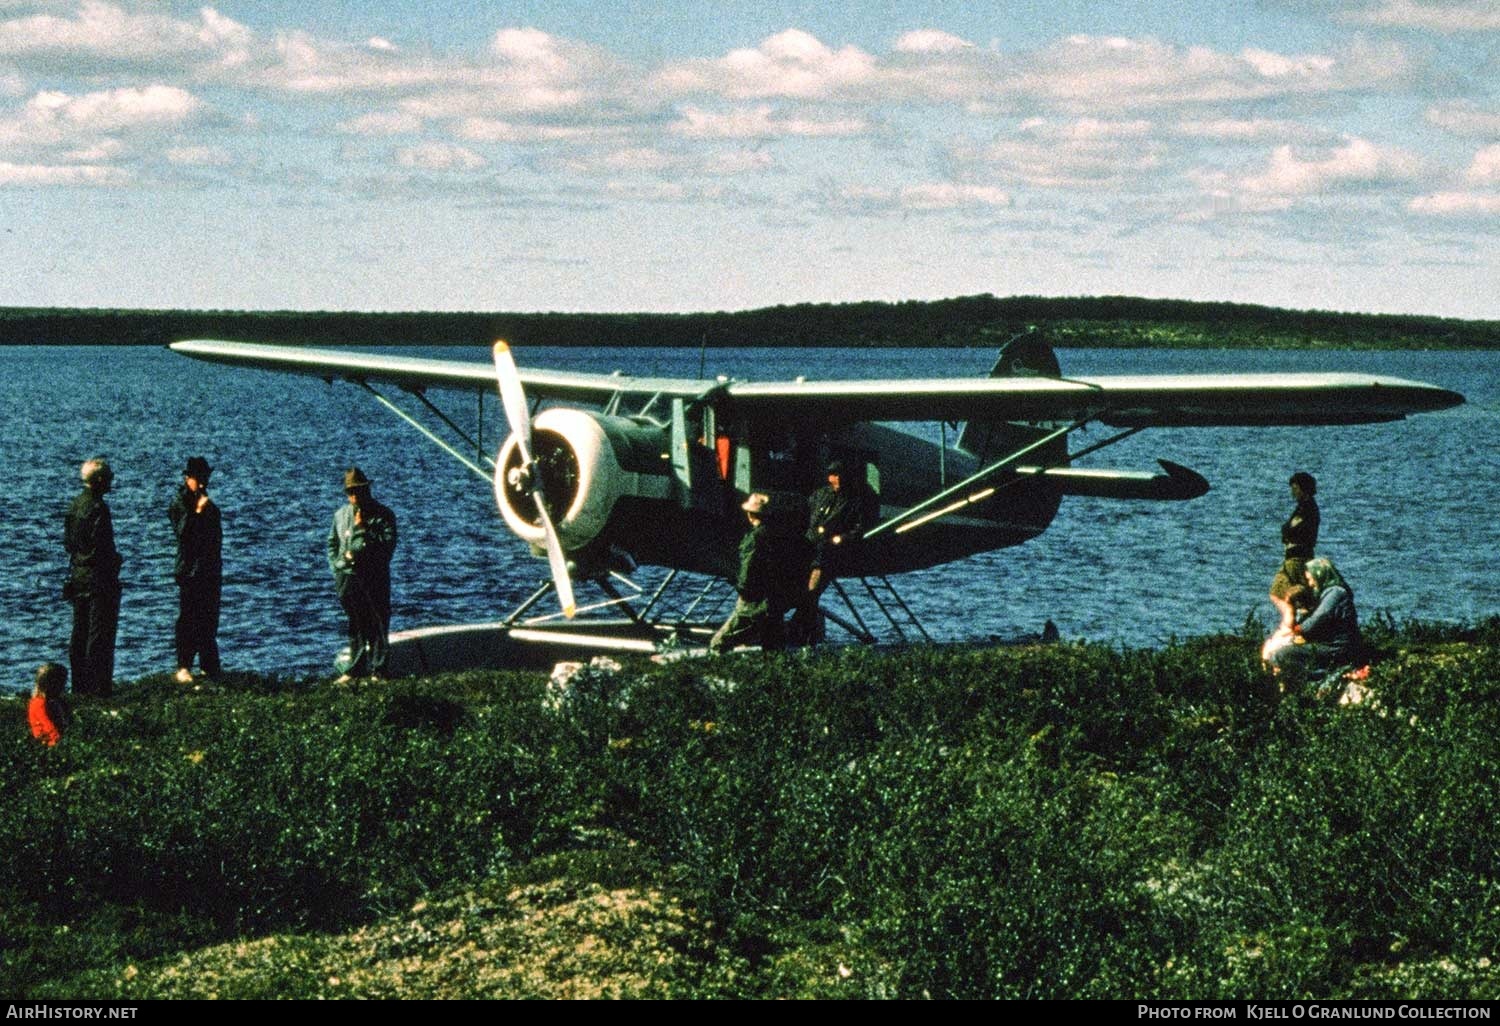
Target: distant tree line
983 320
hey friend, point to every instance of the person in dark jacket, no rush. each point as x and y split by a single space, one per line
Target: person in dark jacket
360 545
774 558
1328 637
1299 542
93 585
199 571
841 513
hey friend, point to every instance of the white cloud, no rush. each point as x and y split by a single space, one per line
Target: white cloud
1434 15
382 44
639 158
925 197
527 80
1485 170
1463 118
199 156
931 41
1457 204
1091 72
478 129
951 196
1084 153
59 174
115 109
650 159
100 33
789 64
1274 65
439 157
1086 129
1078 73
665 192
301 63
1244 129
382 123
1358 162
100 152
735 162
760 122
1292 175
54 119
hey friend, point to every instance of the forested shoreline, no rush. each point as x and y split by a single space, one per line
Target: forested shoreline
983 320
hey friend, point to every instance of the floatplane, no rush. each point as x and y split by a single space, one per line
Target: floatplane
604 473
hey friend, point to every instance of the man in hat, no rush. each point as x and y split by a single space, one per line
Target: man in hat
199 571
773 566
93 584
360 545
841 514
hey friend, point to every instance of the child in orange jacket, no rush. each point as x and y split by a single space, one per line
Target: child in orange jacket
47 712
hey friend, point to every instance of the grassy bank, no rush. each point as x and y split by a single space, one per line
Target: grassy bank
1031 822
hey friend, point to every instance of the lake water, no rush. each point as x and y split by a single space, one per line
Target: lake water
1408 508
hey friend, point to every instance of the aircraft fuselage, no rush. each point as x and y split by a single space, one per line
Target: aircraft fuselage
614 487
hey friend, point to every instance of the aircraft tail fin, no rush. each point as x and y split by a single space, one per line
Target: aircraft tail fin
1027 355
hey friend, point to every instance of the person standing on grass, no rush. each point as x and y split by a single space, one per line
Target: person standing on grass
360 545
199 571
93 585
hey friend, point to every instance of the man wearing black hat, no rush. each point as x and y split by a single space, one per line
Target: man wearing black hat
93 585
199 571
360 545
841 513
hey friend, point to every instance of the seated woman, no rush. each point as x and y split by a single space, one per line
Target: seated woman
1328 637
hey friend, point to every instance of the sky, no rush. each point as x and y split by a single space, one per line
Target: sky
584 156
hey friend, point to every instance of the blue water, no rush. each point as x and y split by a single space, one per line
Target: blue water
1408 508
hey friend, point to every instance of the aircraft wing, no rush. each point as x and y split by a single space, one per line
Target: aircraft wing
1183 400
1125 401
420 373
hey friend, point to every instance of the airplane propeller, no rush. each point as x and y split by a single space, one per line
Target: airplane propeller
528 475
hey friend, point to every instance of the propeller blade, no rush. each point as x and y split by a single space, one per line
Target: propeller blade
556 560
513 398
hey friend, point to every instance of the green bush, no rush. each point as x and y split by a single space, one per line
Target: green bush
1028 822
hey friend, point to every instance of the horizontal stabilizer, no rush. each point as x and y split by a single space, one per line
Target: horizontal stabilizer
1177 483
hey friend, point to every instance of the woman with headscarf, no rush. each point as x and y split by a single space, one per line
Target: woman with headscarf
1328 637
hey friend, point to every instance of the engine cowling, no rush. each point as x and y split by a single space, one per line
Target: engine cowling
587 462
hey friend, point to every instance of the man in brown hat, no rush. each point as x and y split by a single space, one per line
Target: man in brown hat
772 573
360 545
199 571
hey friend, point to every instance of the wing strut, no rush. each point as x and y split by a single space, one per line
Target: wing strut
398 411
896 522
988 493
